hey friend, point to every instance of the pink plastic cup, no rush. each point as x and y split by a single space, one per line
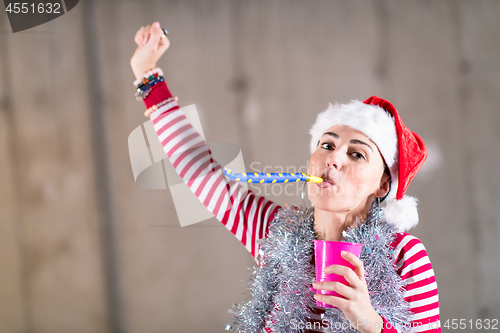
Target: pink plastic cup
328 253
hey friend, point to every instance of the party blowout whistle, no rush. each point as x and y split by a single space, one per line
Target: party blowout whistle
274 177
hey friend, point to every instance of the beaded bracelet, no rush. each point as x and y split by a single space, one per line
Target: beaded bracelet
144 89
157 70
147 80
155 107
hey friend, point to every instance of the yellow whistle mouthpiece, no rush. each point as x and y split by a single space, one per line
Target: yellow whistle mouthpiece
314 179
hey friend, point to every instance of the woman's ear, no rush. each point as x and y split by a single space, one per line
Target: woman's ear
384 185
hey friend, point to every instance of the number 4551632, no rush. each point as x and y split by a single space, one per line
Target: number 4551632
26 7
462 324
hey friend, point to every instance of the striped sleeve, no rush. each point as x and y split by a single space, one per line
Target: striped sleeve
242 212
414 267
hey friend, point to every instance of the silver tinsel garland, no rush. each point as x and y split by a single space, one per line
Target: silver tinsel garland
281 286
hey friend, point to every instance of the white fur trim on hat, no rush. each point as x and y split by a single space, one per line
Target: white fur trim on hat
372 120
402 214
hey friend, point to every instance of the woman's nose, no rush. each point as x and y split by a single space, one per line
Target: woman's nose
334 160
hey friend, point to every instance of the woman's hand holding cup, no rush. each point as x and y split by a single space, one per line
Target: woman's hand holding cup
341 283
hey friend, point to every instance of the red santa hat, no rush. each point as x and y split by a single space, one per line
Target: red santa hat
403 151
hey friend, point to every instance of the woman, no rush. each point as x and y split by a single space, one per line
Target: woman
365 155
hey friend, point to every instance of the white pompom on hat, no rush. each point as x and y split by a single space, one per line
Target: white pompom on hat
403 151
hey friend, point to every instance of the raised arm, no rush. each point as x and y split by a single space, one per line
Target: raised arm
246 215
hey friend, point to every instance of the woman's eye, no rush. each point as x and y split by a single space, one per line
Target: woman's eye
326 145
358 156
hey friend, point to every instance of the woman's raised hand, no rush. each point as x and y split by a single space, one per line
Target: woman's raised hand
151 47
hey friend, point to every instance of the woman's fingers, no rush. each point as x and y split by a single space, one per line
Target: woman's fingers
338 302
154 35
346 272
146 34
138 36
142 35
164 42
163 45
355 302
359 269
339 287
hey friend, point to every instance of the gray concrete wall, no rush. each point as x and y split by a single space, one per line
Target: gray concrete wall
84 249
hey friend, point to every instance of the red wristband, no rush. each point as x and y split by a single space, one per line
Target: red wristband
158 94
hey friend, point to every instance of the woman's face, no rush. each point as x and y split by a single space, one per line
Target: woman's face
351 167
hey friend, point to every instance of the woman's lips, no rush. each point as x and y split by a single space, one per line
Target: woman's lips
325 183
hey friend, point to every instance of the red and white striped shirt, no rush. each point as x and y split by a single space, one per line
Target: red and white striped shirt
248 216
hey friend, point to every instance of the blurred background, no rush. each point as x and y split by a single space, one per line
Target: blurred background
84 249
